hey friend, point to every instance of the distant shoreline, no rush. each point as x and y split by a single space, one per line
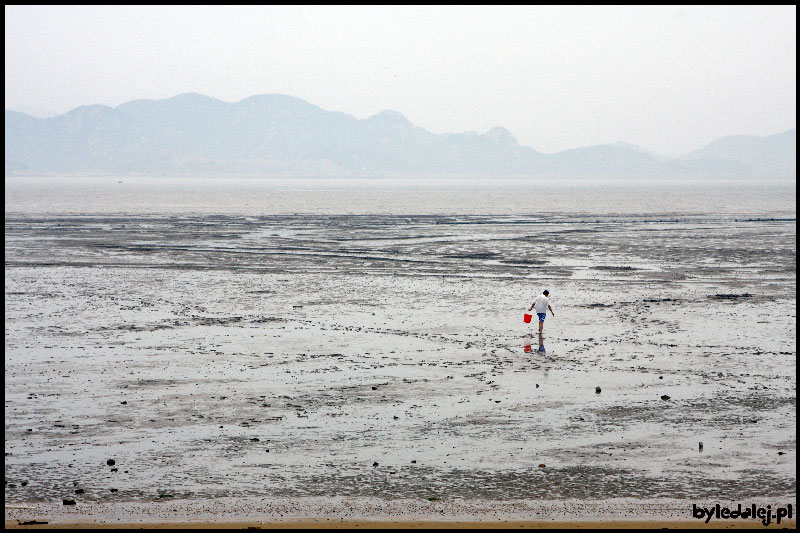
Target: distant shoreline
400 177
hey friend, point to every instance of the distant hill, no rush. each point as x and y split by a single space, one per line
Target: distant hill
772 156
278 135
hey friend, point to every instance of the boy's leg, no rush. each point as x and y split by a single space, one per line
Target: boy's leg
541 316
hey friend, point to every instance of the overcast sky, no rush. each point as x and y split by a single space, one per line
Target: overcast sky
670 79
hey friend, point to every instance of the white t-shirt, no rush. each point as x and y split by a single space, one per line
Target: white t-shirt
540 303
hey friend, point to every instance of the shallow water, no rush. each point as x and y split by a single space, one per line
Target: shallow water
384 355
339 196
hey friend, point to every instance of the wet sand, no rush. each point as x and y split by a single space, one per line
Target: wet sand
302 357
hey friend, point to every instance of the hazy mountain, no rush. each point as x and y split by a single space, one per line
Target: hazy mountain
773 155
34 111
278 135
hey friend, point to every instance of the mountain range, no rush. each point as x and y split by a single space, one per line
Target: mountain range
278 135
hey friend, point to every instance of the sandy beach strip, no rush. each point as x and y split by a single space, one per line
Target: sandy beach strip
402 524
338 513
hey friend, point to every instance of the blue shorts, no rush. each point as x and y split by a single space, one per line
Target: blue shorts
542 316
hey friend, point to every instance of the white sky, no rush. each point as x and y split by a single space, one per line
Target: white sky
670 79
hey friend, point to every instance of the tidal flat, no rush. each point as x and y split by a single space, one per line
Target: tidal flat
334 359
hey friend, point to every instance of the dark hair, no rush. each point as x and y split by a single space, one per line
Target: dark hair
546 292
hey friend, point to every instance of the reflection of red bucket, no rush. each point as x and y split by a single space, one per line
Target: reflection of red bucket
527 318
527 348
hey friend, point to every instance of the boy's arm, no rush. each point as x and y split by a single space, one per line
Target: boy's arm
551 310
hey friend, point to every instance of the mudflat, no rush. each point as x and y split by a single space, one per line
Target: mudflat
156 363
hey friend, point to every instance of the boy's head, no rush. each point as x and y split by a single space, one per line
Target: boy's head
546 292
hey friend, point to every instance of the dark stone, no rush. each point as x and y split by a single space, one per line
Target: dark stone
541 465
375 463
111 462
665 397
730 296
69 502
114 490
124 403
79 491
597 390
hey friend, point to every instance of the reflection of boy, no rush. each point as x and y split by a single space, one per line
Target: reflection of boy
542 304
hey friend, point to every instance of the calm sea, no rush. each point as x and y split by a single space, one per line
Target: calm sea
125 195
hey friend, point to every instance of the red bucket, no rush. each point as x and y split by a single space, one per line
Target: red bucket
526 318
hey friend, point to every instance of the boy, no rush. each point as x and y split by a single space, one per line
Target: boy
542 304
